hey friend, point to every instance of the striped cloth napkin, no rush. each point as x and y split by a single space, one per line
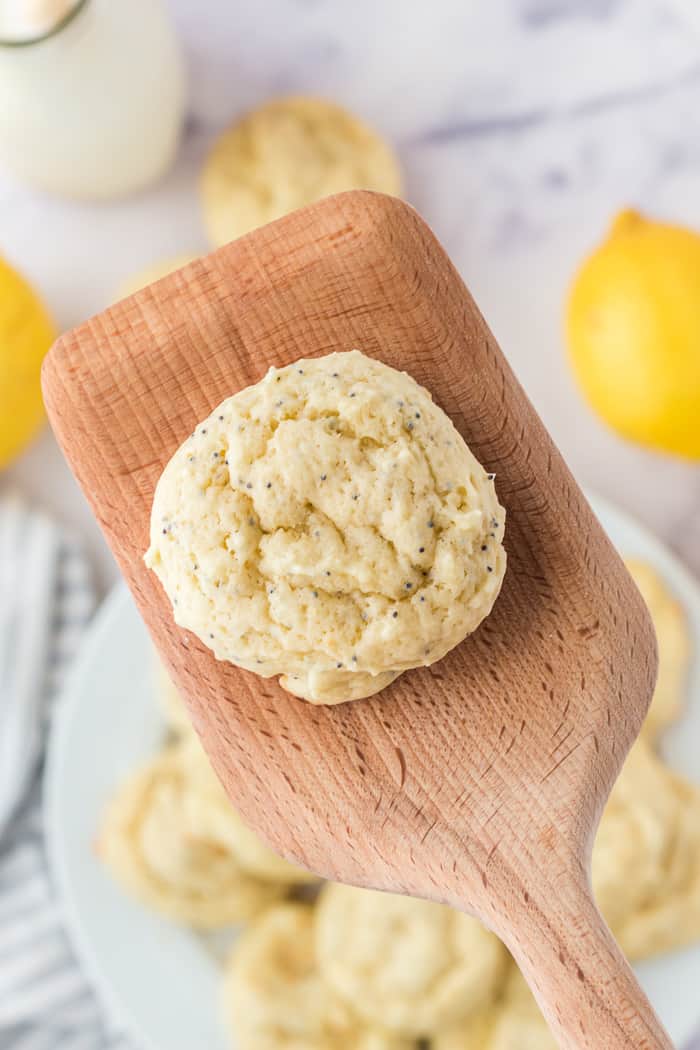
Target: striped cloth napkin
46 600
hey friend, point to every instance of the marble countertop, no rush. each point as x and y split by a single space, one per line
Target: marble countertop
523 125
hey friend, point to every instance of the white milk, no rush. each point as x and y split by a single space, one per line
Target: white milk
91 94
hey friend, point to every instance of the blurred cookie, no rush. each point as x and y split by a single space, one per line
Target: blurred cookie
673 636
211 811
151 273
288 153
473 1034
513 1022
670 918
274 998
646 857
410 965
154 848
632 840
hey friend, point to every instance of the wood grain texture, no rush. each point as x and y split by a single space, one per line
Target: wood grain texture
479 781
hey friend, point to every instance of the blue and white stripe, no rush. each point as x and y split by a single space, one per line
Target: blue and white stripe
46 601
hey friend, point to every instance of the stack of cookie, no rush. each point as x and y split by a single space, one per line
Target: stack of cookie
353 969
362 970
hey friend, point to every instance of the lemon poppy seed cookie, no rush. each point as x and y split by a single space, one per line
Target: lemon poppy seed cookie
408 964
674 644
328 525
512 1022
646 857
154 848
211 812
474 1033
288 153
274 997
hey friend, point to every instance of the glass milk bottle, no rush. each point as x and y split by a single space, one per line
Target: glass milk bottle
91 94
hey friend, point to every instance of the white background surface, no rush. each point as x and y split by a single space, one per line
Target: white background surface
523 125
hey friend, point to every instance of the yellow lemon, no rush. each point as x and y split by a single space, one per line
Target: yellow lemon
633 328
26 333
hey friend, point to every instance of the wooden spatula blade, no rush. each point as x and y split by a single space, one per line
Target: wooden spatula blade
478 781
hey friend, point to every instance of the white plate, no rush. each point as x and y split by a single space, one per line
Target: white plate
158 981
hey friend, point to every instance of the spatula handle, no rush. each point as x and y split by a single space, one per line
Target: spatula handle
580 978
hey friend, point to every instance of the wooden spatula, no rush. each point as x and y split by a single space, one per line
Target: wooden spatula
480 781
